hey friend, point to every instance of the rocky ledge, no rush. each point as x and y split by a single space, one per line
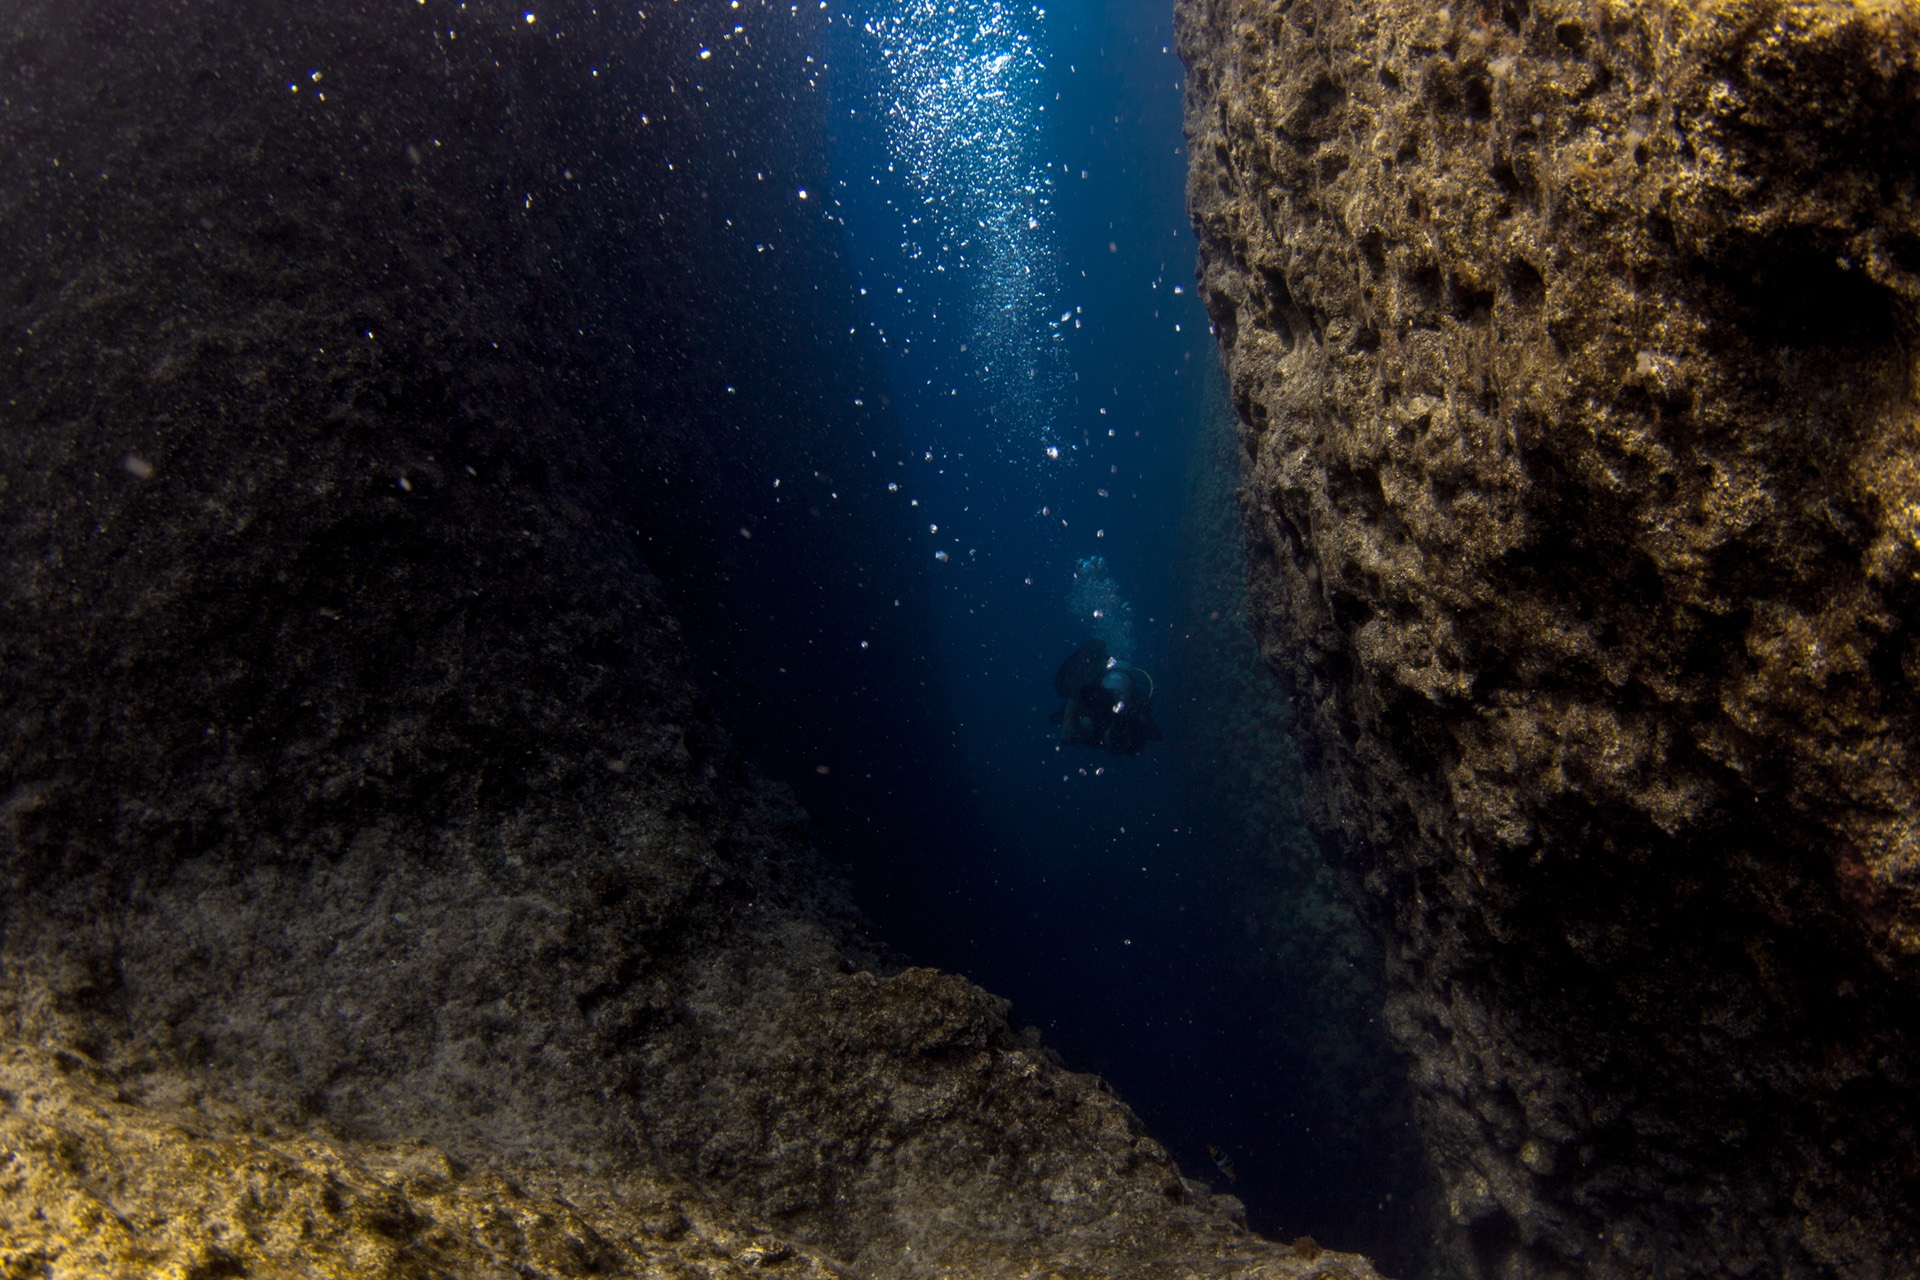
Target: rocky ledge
1574 348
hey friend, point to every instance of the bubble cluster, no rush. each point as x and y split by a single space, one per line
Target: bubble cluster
960 96
1097 603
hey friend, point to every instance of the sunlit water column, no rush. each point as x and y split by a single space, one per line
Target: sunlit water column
959 92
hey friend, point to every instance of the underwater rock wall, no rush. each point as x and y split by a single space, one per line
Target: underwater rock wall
378 890
1574 349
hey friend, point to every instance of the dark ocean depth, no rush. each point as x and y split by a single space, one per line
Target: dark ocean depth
1041 453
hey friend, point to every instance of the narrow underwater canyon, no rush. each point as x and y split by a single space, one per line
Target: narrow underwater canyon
387 891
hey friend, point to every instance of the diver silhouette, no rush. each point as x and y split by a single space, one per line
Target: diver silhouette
1109 702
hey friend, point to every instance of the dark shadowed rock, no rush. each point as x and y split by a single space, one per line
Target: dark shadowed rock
1574 349
378 893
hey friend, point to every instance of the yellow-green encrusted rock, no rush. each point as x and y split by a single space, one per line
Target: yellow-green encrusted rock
1574 342
95 1185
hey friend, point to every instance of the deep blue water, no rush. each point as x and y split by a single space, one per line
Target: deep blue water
1047 404
1006 182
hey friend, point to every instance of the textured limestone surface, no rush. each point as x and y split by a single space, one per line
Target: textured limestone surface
1574 348
105 1177
379 893
95 1184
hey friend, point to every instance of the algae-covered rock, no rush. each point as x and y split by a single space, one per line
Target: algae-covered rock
105 1177
1573 344
96 1184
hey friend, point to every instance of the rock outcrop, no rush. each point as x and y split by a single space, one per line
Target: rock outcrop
1574 348
379 894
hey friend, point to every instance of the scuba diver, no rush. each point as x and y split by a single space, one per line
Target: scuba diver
1109 703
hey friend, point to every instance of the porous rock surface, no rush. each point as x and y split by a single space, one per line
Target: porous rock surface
378 893
1574 348
94 1184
